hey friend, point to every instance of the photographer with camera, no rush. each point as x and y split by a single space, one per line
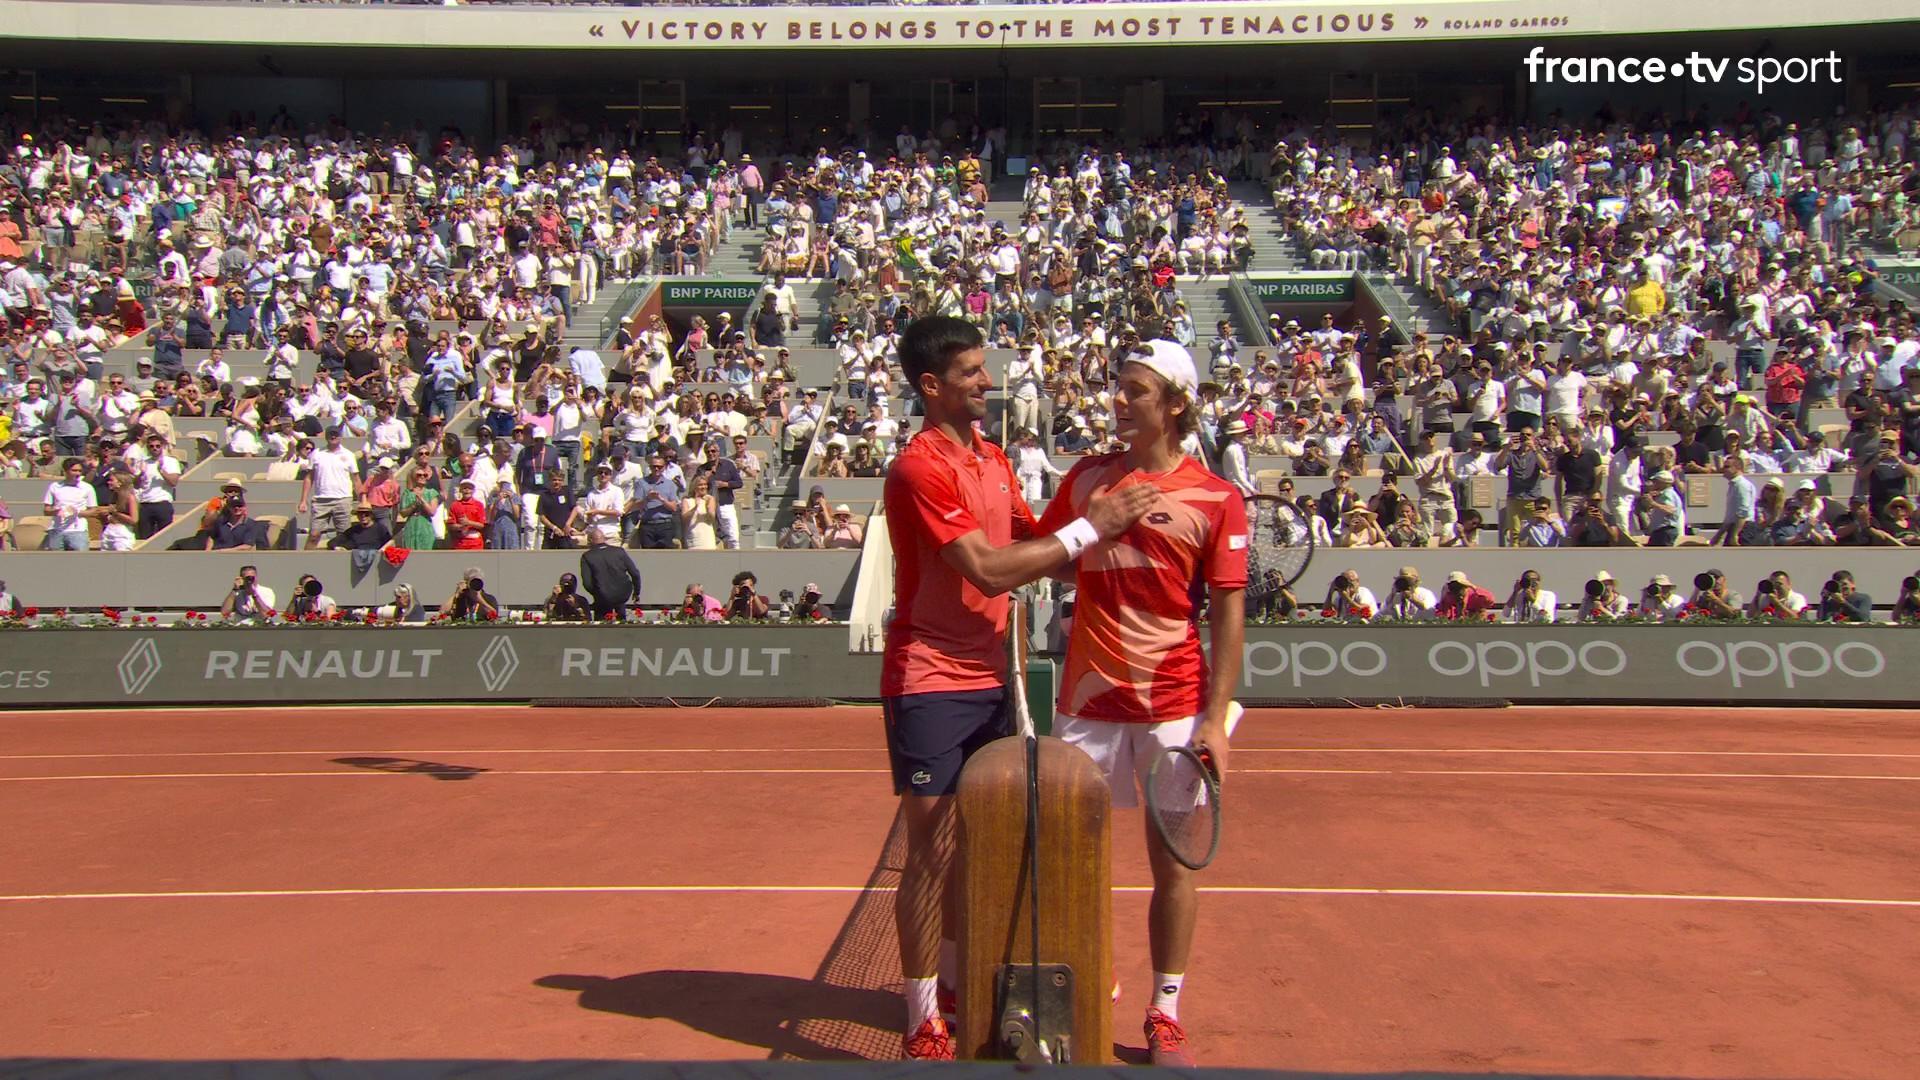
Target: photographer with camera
310 600
1770 601
1603 600
697 605
1529 603
1659 601
1348 599
743 602
1842 601
1711 596
248 600
471 602
1907 608
808 608
1462 599
564 603
1409 599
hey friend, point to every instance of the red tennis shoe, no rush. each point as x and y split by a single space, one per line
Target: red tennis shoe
932 1042
1166 1041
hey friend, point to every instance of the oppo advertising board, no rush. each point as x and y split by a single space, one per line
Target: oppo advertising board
1435 663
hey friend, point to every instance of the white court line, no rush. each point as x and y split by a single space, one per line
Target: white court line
875 749
879 749
374 772
447 770
1220 890
480 772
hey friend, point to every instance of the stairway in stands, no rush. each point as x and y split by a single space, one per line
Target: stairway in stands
1276 252
583 330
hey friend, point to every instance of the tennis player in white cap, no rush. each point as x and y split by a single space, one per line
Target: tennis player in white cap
1135 680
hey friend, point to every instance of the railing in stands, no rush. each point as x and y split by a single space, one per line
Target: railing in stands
1392 306
623 306
1248 311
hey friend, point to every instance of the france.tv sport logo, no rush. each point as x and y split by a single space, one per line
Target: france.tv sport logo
1758 72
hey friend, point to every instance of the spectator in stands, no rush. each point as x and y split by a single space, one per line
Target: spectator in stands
1742 504
10 602
471 602
659 499
844 532
699 516
1542 528
609 575
415 510
248 601
1526 469
555 510
600 512
330 486
1529 603
1663 510
1842 601
235 530
466 519
365 533
1362 530
1462 599
1409 531
1409 599
69 502
120 512
506 516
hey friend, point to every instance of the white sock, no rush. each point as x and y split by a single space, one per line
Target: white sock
1166 994
949 963
922 1002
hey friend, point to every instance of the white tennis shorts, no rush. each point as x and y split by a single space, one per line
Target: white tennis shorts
1124 752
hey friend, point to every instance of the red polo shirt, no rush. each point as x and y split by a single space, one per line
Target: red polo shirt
946 635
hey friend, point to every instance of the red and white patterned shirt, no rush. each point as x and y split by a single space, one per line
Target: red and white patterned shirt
1135 656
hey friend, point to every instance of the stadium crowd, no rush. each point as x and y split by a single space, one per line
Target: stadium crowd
431 281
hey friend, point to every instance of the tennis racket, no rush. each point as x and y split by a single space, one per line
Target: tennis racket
1183 800
1279 545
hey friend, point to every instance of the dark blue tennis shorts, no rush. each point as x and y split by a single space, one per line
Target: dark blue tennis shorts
930 736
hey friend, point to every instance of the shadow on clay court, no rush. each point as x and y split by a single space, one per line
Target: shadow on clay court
741 1007
851 1010
439 770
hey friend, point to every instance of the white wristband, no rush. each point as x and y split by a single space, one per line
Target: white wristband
1077 536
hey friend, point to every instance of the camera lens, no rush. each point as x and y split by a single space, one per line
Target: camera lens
1596 588
476 584
1703 581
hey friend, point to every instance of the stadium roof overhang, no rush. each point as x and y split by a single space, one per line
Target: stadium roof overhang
1187 39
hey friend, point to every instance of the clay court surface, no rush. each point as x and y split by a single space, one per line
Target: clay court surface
1579 891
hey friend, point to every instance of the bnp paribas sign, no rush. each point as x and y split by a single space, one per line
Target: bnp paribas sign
708 293
1304 289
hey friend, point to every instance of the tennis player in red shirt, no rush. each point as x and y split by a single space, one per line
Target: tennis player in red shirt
962 537
1135 680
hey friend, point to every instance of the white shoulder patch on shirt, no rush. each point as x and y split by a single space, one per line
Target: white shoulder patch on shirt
953 513
1235 543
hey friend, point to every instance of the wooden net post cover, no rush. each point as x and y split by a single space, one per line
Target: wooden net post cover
1075 889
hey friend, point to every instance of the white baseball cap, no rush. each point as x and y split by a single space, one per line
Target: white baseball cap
1171 362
